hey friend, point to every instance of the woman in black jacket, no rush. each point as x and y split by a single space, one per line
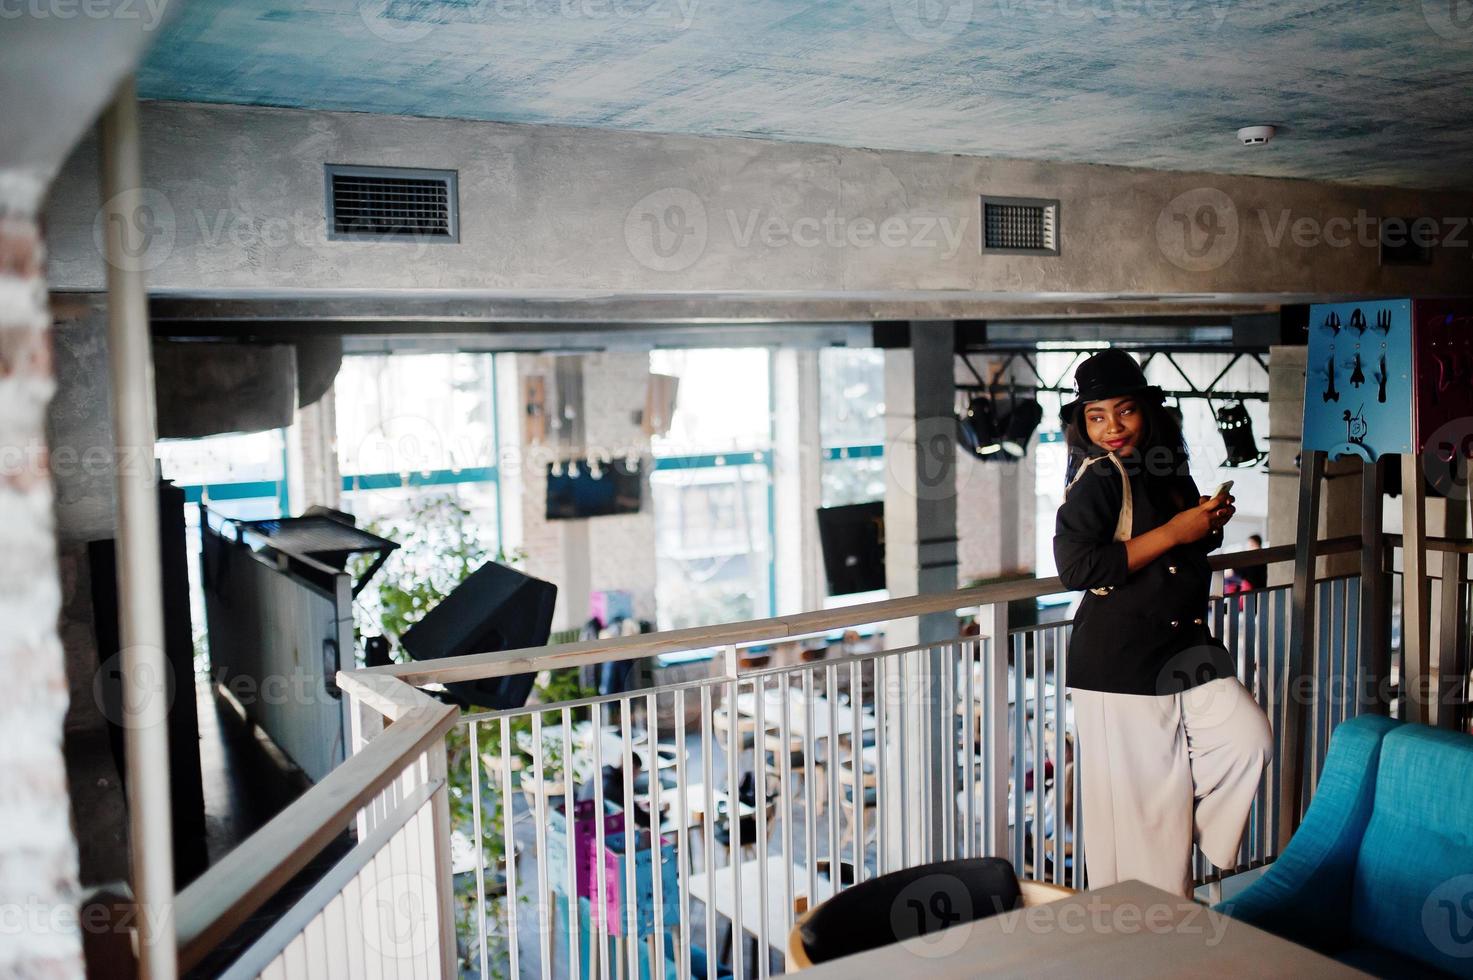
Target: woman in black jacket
1171 745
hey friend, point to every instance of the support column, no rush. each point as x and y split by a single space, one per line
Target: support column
312 473
920 558
920 475
797 475
140 582
38 855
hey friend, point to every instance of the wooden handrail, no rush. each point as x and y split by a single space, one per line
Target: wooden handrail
222 898
1434 544
216 903
478 666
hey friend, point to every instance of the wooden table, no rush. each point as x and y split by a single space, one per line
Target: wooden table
1125 930
797 717
695 804
781 910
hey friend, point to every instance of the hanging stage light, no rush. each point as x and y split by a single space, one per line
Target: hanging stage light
1236 429
978 430
1022 420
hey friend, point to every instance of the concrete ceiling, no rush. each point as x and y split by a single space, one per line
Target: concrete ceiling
1370 92
58 69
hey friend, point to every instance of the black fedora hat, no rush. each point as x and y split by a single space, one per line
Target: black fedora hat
1112 373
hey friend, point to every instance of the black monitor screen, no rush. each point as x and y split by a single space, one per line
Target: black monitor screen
579 493
853 540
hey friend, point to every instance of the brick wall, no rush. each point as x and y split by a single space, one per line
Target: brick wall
616 552
621 548
38 855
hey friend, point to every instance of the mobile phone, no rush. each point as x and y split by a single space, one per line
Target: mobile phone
1222 490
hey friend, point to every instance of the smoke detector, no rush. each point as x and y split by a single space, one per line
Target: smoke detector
1256 135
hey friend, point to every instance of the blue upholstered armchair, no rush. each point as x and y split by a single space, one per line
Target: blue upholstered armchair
1380 873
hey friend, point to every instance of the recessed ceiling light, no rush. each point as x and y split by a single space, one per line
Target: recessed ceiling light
1256 135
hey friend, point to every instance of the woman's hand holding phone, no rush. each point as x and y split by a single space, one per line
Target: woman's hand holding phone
1196 523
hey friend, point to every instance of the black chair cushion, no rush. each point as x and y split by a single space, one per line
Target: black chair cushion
909 903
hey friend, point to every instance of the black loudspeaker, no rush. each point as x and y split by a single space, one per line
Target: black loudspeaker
186 785
496 608
853 540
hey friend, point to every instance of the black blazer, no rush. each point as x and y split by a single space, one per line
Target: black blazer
1149 635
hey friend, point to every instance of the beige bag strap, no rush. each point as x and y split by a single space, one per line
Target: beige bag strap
1127 510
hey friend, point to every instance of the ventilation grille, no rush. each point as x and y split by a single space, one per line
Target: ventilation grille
1020 226
392 204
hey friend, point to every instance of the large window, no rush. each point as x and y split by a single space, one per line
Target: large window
712 487
851 385
240 476
415 427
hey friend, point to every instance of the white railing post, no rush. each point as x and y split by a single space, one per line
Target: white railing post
995 733
443 868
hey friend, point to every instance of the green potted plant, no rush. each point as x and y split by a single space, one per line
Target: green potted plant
440 546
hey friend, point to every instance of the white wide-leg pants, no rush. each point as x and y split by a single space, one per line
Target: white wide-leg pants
1160 771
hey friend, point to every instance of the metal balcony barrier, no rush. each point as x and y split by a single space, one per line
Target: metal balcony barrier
680 829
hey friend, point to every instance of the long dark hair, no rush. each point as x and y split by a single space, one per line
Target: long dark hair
1161 454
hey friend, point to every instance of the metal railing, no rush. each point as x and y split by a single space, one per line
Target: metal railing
665 829
854 765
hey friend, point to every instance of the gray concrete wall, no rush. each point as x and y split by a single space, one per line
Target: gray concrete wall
236 203
84 480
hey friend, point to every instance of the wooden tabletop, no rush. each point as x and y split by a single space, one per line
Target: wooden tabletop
780 910
1125 930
